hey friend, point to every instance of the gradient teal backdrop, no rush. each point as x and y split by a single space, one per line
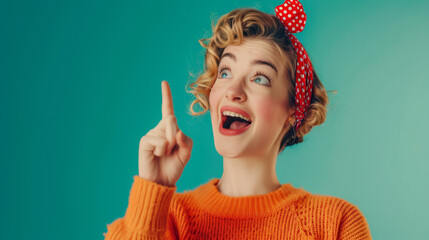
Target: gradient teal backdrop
80 84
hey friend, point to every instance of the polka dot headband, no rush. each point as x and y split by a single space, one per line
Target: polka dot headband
292 15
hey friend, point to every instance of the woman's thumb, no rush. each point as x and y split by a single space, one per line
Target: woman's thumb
185 146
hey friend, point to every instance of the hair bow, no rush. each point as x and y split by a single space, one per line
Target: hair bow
292 15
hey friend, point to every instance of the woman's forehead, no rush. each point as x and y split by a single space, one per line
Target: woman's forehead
255 49
256 52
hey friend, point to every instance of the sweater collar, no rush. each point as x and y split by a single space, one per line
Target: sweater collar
212 201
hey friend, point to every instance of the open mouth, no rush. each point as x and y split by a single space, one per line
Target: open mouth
233 122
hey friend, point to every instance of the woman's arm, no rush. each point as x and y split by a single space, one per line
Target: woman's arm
163 153
354 225
147 215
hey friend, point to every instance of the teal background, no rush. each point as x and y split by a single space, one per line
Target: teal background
80 84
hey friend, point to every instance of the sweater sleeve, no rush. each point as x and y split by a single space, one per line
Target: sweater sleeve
147 215
353 225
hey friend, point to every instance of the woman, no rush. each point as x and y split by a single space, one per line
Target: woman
263 95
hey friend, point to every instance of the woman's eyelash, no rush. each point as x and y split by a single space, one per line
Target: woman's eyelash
223 67
258 73
264 74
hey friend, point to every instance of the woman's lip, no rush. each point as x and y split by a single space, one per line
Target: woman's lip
236 110
232 132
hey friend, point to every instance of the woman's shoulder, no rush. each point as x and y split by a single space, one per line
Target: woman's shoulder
191 196
333 205
327 201
333 214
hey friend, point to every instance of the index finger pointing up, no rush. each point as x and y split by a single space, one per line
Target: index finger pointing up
167 101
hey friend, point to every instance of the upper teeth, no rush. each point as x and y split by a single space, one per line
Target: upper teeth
233 114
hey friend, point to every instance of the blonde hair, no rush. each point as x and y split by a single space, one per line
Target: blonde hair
248 23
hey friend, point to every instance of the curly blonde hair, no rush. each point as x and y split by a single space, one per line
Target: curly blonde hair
248 23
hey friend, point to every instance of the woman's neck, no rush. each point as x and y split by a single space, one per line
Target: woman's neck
246 177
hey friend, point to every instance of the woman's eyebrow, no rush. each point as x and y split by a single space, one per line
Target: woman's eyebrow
259 62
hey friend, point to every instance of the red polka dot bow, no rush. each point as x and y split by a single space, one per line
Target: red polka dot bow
292 15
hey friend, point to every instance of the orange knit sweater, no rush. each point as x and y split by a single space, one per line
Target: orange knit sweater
158 212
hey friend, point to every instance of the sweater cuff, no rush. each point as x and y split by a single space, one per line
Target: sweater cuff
148 206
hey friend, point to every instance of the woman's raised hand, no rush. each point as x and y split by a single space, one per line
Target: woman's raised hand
165 150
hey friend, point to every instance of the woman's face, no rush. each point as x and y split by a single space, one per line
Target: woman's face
251 81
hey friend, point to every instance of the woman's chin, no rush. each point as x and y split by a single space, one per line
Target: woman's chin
232 150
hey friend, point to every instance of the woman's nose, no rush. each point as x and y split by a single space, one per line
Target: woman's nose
236 92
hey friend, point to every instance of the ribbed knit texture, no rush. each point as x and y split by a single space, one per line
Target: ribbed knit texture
158 212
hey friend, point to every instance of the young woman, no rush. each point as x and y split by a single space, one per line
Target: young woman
263 95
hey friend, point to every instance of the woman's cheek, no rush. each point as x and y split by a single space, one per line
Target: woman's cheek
213 96
213 100
271 110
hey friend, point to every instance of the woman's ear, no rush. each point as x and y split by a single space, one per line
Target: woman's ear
291 119
290 122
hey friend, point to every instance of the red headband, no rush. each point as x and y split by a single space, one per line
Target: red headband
292 15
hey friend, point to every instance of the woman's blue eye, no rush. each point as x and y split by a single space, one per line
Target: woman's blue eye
222 74
263 80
